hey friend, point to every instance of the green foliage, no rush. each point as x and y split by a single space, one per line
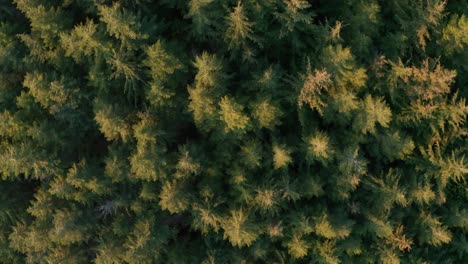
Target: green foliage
312 88
231 115
267 114
205 16
297 247
203 131
120 23
342 66
239 28
174 197
281 156
375 111
110 122
319 147
82 41
454 34
206 91
432 231
161 63
238 229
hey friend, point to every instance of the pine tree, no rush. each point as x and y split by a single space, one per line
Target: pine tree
238 229
82 41
269 131
120 23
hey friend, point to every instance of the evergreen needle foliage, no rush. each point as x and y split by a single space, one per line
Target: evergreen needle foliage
235 131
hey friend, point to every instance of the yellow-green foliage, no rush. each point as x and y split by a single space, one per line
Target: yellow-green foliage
203 131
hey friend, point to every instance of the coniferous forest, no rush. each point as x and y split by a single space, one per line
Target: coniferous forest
233 131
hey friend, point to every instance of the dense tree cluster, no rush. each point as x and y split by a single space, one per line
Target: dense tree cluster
246 131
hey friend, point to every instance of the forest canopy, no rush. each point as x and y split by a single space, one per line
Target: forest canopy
246 131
